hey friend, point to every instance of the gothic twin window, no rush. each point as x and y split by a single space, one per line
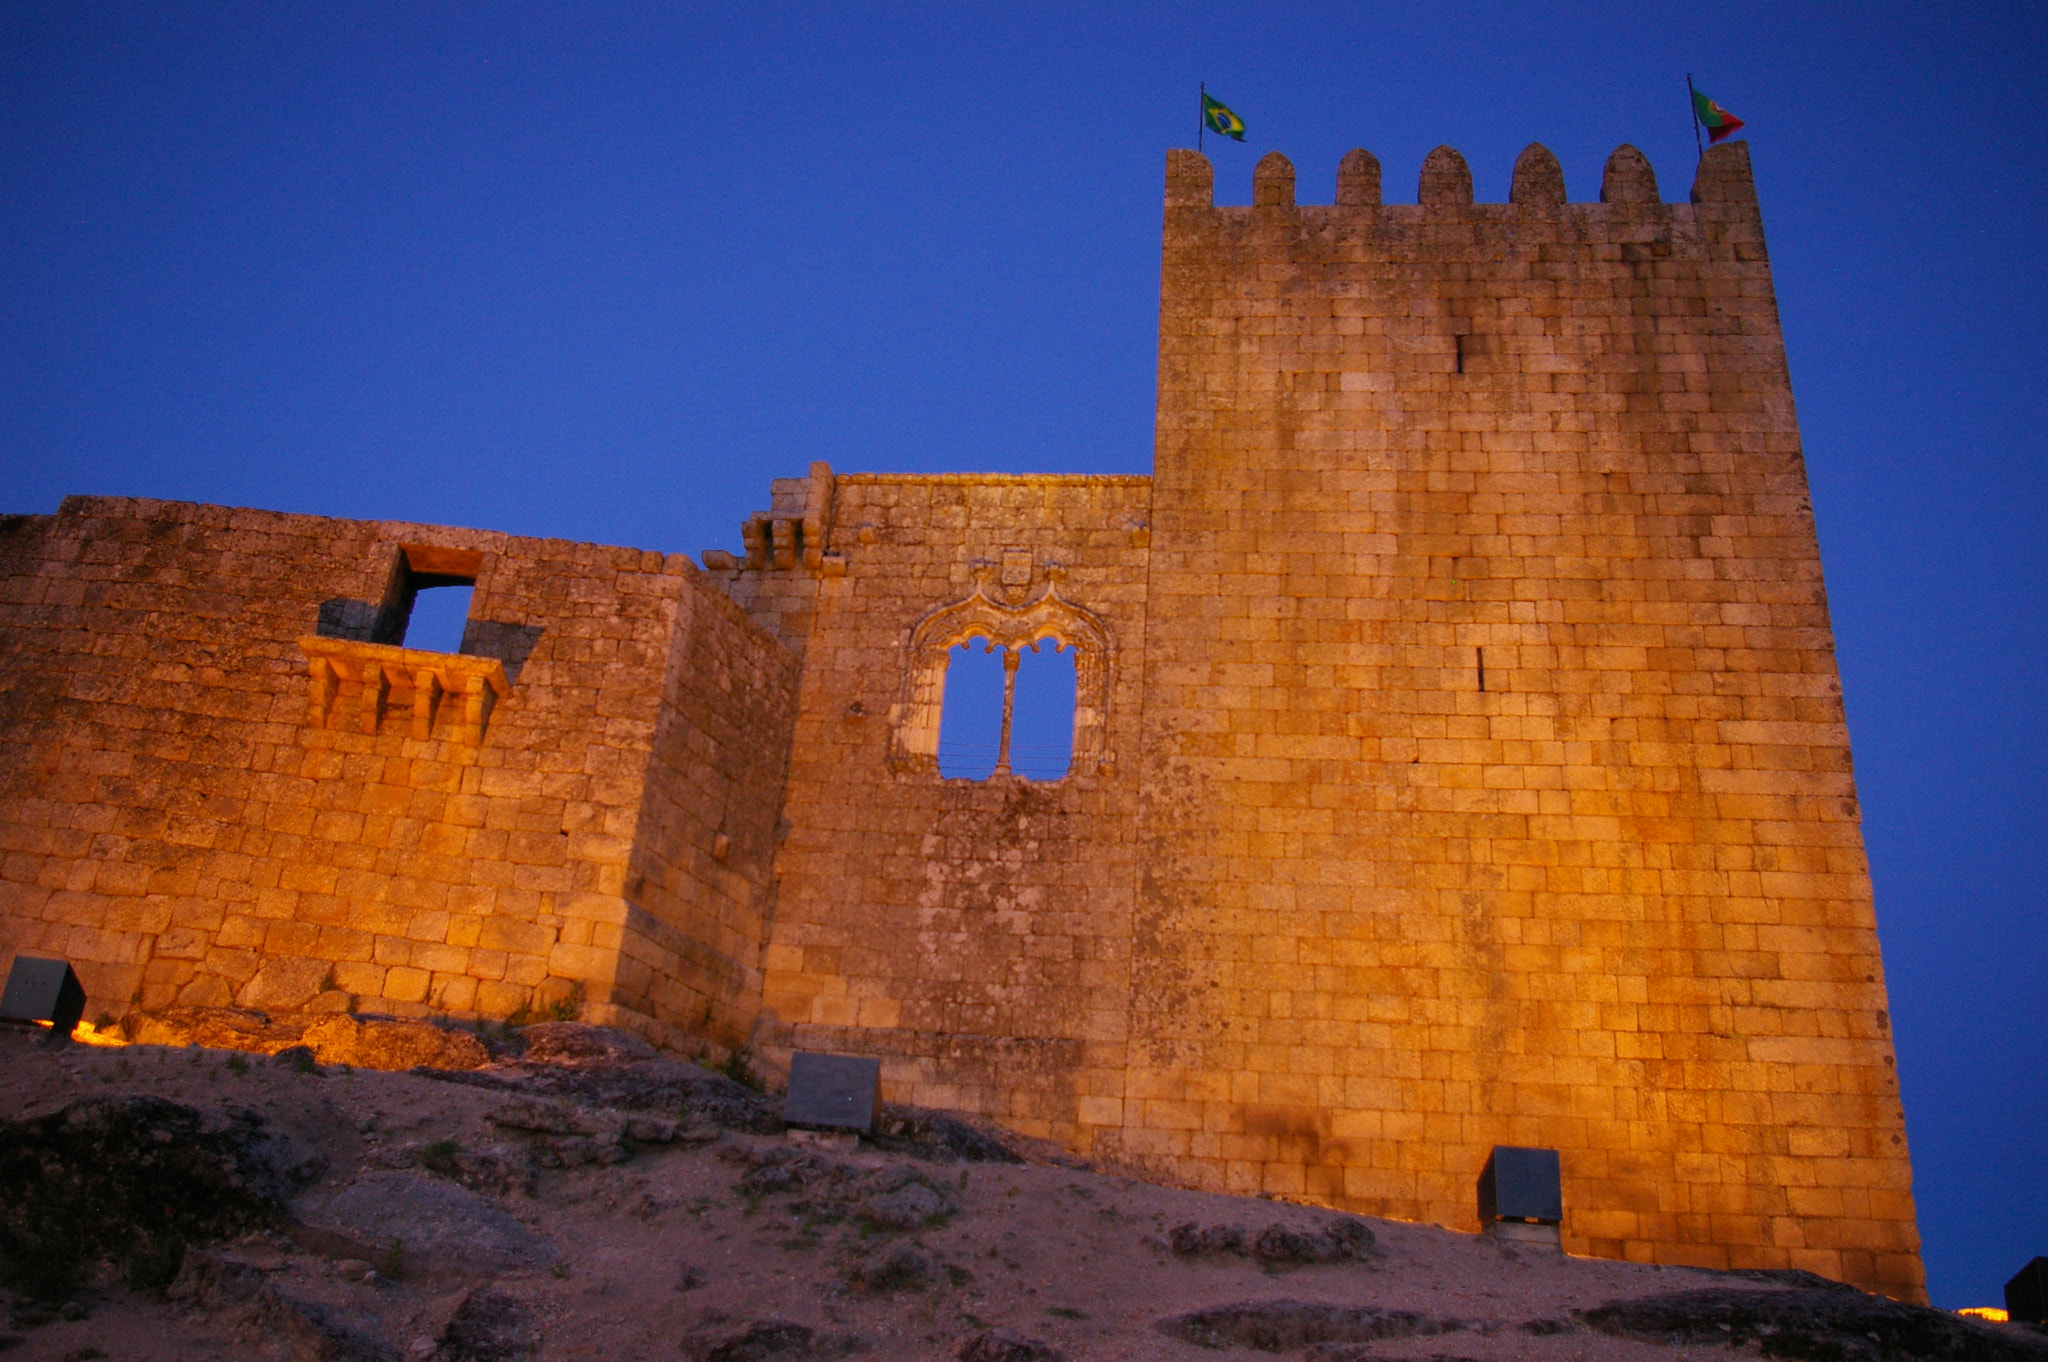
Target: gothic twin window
1007 711
964 710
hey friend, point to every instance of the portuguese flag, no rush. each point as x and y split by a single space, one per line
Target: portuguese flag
1220 119
1718 122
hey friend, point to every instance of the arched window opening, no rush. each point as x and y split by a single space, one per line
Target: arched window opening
971 714
1042 734
1007 711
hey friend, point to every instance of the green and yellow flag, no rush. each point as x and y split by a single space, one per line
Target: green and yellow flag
1221 119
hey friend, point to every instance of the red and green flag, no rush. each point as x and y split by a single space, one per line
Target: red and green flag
1718 122
1221 119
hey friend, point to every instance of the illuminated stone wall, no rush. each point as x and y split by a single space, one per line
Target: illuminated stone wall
175 821
976 935
1496 783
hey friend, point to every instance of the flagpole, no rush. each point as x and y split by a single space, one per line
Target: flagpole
1202 113
1692 103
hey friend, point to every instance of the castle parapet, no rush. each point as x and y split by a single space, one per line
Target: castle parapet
1539 179
1445 181
1273 182
1358 179
1628 177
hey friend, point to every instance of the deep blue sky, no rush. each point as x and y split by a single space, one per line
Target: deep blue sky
599 272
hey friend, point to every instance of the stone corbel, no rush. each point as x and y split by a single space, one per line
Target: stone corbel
376 690
380 672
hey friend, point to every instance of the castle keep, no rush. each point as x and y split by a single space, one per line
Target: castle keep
1459 754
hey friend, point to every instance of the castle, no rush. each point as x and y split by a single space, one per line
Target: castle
1458 751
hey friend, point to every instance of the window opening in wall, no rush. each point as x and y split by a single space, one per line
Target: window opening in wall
1042 736
1007 711
971 714
439 615
426 605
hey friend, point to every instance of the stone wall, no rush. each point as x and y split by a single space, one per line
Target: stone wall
1496 783
976 935
179 822
700 890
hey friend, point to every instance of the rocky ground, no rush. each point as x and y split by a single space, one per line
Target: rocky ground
564 1192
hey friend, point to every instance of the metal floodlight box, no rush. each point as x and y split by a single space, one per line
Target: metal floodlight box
836 1091
2026 1295
43 990
1521 1184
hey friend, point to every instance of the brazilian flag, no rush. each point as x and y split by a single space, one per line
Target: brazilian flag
1220 119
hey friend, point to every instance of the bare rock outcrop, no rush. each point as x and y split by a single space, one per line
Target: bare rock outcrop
333 1038
895 1267
770 1340
434 1225
596 1066
1007 1345
941 1137
1823 1325
897 1196
259 1311
489 1326
1342 1239
134 1179
1284 1326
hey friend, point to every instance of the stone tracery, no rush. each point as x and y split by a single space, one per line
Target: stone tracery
914 747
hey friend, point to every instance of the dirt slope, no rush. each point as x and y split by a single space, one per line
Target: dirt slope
592 1200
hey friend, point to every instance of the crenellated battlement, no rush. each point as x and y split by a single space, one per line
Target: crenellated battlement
1445 182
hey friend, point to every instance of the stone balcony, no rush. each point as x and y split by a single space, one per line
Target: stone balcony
378 678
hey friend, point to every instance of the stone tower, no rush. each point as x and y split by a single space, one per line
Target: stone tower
1496 786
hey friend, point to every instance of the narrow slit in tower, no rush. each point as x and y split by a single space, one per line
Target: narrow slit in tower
1482 667
1460 340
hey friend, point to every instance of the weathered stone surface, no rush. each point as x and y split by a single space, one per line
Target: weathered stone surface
365 1042
781 1175
939 1136
1195 1241
909 1207
772 1341
377 1044
1368 1352
289 1327
1815 1326
217 1028
489 1326
135 1179
895 1267
664 1087
435 1224
581 1043
1284 1325
1007 1345
1342 1239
